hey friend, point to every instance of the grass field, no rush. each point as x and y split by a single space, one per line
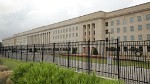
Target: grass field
144 64
12 64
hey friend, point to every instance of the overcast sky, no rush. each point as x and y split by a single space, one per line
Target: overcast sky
22 15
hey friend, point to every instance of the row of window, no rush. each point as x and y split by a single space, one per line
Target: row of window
132 37
131 28
65 36
88 26
66 41
131 20
89 33
65 30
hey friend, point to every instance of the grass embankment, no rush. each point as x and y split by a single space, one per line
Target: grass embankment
45 73
12 64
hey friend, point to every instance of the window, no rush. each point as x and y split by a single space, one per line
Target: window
112 23
106 24
147 17
94 32
139 19
148 48
125 38
118 22
131 20
124 21
66 35
148 36
132 37
148 26
112 31
69 29
139 37
107 49
93 25
118 30
139 27
63 30
93 39
69 35
84 26
72 34
76 34
85 33
106 39
124 29
131 28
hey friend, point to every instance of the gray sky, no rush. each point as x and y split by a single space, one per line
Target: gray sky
22 15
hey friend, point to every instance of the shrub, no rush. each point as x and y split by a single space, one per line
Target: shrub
45 73
95 52
74 50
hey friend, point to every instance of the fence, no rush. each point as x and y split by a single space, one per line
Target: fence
129 61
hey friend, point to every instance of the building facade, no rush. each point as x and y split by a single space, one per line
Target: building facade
128 24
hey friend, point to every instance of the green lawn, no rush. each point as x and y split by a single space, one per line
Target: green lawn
12 64
145 64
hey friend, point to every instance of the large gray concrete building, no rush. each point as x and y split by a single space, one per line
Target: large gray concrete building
128 24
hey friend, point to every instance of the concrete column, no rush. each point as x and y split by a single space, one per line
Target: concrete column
49 37
42 38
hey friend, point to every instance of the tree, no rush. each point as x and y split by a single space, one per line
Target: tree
95 52
133 49
74 50
112 49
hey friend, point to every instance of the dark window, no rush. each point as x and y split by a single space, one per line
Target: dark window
148 48
119 48
93 25
106 39
106 23
125 48
107 31
94 32
107 49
